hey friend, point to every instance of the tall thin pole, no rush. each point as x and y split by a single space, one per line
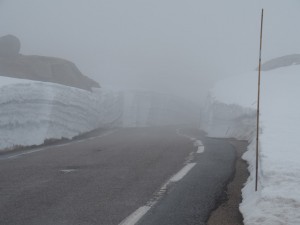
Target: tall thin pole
258 100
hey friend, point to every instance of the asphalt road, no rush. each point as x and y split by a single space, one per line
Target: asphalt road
103 180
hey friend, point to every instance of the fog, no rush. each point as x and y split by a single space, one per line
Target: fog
175 46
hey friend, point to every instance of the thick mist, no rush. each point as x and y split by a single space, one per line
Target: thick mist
175 46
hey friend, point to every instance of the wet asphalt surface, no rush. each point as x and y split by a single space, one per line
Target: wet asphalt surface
103 180
190 201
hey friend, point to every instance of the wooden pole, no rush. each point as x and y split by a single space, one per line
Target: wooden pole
258 101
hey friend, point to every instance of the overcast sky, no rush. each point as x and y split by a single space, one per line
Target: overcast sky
181 46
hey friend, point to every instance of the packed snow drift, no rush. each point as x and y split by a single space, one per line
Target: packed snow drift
32 111
231 112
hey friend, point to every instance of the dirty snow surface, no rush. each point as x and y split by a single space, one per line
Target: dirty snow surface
278 198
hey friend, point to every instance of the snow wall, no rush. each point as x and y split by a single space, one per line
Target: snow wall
229 120
231 112
145 108
33 111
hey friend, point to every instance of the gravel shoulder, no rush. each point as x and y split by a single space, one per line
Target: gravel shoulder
228 211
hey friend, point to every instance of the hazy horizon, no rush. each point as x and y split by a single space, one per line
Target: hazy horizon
181 47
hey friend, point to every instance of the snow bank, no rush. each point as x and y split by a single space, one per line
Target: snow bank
33 111
145 108
278 198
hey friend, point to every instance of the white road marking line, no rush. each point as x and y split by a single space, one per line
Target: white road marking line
24 153
189 158
136 216
200 149
184 171
133 218
198 143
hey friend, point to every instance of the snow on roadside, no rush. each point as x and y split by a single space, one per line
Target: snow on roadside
148 108
278 198
33 111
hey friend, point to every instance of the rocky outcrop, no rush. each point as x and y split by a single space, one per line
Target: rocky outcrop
283 61
41 68
9 46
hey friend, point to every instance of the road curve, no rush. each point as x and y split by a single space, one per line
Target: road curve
104 180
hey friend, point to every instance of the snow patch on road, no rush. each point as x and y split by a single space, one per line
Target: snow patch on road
67 170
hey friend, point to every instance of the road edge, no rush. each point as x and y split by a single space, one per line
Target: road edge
227 213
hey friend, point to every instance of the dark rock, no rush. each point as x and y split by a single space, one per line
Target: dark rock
283 61
9 46
40 68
